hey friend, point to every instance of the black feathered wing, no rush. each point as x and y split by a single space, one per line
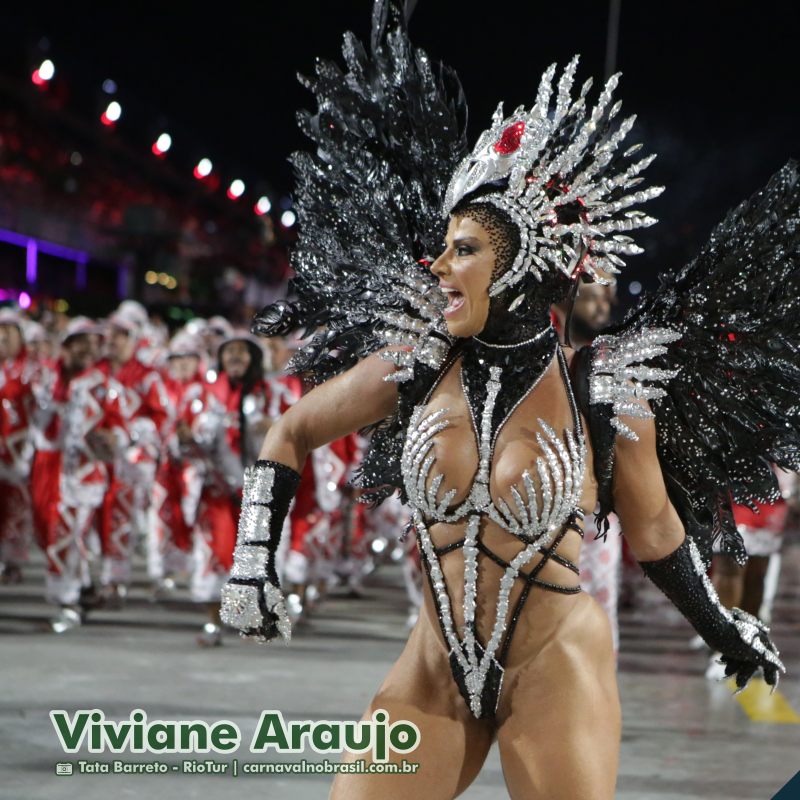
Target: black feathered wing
388 130
716 349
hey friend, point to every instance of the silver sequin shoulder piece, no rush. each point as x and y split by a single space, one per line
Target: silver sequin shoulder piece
618 373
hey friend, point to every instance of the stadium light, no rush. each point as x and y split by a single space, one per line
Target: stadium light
112 113
43 73
236 189
162 144
203 168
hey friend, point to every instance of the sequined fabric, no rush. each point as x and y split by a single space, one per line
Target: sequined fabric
740 637
731 409
521 367
386 134
252 600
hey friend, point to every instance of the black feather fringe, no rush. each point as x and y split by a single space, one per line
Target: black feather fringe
734 408
389 131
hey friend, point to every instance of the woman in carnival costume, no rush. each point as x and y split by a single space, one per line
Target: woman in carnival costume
426 274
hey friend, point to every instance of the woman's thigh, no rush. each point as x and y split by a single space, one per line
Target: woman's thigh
452 743
560 722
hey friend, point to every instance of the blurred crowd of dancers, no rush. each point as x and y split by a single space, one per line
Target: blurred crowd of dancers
119 441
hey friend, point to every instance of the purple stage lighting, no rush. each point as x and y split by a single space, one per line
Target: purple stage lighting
30 262
34 246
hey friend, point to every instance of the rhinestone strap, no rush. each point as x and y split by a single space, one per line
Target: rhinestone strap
533 339
561 473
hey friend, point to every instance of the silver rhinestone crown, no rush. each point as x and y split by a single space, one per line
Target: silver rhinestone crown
554 159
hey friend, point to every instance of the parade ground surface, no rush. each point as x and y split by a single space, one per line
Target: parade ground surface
683 736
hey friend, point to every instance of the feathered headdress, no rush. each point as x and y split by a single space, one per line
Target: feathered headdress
568 187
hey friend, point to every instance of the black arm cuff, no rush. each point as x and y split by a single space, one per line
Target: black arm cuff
682 577
284 487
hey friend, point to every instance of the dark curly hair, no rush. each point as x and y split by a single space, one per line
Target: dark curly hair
505 241
503 233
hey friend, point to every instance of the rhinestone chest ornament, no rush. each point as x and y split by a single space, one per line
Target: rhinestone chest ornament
535 518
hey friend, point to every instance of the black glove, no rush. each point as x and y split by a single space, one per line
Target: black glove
740 637
252 600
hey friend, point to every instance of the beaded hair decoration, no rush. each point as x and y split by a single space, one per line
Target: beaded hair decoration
568 188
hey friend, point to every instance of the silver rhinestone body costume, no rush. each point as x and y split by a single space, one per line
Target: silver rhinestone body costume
539 519
715 348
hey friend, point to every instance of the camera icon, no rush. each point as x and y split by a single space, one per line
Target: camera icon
63 769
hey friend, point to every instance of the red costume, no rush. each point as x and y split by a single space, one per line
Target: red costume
16 450
762 530
144 405
326 521
179 481
68 480
225 449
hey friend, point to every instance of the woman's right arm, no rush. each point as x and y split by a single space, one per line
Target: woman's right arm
252 600
346 403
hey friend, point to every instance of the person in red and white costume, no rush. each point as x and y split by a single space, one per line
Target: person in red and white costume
752 587
307 556
17 373
78 430
600 560
223 431
179 479
213 332
345 555
151 340
325 519
145 407
387 526
331 532
40 345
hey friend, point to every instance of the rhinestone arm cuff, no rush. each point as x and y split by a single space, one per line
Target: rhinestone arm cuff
741 638
252 600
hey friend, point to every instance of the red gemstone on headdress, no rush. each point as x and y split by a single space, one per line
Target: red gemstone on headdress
509 141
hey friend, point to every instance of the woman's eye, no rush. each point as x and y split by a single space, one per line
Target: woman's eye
463 250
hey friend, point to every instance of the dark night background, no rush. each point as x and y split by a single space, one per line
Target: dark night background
714 85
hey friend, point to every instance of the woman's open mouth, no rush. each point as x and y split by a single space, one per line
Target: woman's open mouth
454 301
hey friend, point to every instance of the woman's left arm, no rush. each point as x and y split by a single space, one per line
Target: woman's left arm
650 523
670 558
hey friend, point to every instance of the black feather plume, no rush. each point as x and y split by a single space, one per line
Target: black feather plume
389 129
734 407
